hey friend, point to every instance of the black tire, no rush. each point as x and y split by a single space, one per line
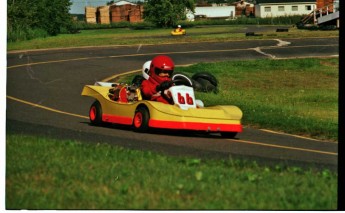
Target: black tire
207 86
141 119
207 76
137 80
95 114
228 134
197 86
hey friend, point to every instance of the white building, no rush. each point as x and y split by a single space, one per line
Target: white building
276 8
212 12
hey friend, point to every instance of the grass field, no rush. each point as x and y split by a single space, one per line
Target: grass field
298 96
127 36
44 173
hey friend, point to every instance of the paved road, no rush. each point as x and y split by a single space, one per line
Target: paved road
43 98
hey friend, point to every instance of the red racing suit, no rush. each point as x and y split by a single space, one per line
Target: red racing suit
148 89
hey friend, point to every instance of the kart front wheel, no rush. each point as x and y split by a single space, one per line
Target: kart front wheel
95 114
141 119
228 134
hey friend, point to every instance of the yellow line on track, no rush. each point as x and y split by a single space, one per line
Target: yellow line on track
46 108
50 62
284 147
121 56
146 54
297 136
238 141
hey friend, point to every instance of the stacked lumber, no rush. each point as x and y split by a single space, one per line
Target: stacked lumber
119 13
103 15
249 10
90 15
240 8
239 11
124 11
115 14
127 12
136 13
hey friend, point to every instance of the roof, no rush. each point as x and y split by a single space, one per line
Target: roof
212 12
122 2
283 1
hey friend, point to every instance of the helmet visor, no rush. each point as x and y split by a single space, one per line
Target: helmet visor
158 71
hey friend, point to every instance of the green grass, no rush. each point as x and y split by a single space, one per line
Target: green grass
44 173
127 36
298 96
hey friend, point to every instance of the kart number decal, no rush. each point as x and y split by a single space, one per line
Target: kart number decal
183 100
183 96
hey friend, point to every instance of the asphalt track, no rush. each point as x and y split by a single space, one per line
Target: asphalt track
44 87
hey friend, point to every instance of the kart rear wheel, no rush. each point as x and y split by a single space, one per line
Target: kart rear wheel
207 76
141 119
228 134
206 85
95 113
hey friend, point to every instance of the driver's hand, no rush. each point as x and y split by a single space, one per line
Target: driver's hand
168 94
164 85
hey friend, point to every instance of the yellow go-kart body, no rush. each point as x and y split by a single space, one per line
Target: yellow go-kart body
178 31
222 119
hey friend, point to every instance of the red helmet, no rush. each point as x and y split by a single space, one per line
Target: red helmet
161 64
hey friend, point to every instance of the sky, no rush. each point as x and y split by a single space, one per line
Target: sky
78 6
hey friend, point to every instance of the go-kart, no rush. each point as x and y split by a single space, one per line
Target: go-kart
178 31
122 104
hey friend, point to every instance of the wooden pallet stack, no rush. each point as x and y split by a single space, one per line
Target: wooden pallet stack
90 15
103 15
250 10
136 13
240 8
124 11
127 12
115 14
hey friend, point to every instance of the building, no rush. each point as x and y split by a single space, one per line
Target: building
216 12
276 8
324 3
326 14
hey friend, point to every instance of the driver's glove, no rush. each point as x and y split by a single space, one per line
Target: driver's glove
164 85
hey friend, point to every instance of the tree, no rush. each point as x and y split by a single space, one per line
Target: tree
166 13
51 16
110 2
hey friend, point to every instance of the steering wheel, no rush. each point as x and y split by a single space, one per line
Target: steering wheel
180 79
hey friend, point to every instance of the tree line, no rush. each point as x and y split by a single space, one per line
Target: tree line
27 19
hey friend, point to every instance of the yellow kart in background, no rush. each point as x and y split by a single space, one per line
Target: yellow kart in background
178 31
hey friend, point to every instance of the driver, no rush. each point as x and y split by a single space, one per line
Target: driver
155 87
